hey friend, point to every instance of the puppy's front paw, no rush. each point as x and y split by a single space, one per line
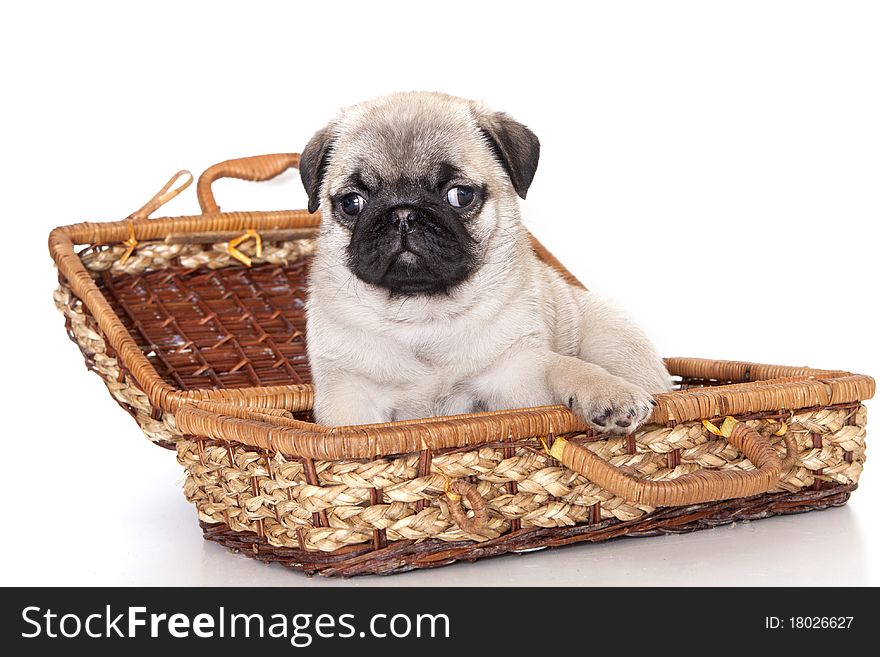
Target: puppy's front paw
612 405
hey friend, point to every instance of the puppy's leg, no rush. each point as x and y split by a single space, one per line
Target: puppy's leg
612 340
608 402
535 377
344 400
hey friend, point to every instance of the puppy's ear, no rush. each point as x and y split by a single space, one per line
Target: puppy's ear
312 163
514 145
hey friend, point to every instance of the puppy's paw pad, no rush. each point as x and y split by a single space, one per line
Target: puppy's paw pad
613 407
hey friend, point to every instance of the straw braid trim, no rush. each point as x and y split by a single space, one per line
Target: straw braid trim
121 386
152 256
547 495
402 556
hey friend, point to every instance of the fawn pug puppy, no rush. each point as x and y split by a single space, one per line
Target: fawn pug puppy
425 296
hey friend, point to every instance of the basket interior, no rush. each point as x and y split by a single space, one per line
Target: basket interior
232 327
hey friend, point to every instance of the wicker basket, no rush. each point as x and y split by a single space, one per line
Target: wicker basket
196 324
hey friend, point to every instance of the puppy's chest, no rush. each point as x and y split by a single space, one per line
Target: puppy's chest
449 350
443 385
435 355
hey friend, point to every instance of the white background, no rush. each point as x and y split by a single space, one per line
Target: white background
713 166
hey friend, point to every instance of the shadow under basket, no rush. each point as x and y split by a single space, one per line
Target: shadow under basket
197 326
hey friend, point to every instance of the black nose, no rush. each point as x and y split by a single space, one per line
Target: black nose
403 219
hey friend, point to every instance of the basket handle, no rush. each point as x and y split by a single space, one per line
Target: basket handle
256 168
692 488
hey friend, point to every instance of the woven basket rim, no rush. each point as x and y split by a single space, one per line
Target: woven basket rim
235 415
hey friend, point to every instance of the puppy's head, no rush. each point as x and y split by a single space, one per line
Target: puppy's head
417 183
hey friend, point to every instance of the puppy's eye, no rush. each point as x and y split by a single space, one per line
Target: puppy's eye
460 197
352 204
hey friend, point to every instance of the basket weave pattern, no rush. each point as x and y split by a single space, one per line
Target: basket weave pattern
272 496
208 356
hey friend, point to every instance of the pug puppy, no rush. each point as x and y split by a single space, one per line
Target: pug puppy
425 296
